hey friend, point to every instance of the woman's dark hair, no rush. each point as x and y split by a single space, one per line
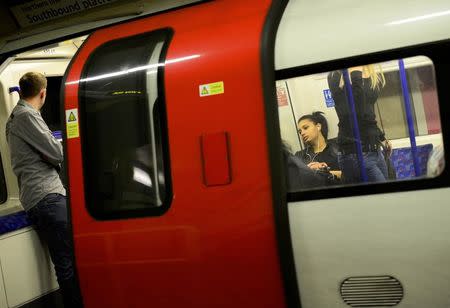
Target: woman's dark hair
317 117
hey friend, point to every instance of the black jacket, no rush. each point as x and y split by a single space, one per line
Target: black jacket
329 155
365 98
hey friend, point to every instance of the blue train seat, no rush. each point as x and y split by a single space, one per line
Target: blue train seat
13 222
403 162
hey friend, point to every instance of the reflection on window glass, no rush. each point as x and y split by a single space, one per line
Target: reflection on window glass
364 124
123 127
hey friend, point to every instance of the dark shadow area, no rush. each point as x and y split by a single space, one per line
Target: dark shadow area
51 300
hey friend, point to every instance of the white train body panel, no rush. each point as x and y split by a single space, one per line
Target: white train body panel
328 30
26 268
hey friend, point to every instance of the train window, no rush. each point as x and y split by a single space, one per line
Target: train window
123 132
365 124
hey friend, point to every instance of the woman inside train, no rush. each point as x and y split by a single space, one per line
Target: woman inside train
298 175
365 83
319 154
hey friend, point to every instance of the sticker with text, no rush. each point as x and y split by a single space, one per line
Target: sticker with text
211 89
72 123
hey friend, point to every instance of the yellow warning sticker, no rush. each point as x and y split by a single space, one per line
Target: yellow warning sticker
211 89
72 123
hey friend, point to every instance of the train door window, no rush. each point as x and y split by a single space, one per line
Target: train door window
123 127
366 124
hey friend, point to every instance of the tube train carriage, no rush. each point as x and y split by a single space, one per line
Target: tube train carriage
172 125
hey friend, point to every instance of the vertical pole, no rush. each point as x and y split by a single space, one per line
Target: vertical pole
355 127
409 118
293 115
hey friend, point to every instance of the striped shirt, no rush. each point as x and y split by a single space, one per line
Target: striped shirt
35 155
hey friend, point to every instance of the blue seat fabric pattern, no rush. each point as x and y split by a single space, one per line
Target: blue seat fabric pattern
402 161
13 222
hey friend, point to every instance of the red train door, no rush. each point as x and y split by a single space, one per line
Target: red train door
168 167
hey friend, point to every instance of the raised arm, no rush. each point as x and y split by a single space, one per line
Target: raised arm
334 79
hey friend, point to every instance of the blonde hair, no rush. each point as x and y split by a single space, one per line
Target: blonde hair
376 78
372 71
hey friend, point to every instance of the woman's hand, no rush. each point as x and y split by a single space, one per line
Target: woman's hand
387 145
316 165
336 173
355 68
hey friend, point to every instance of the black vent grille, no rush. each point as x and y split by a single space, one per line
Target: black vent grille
372 291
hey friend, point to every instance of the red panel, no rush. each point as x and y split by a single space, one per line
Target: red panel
216 167
213 247
431 106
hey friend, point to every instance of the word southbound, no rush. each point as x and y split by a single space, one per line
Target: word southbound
35 12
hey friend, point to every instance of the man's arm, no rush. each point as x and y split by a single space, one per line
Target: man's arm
33 130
